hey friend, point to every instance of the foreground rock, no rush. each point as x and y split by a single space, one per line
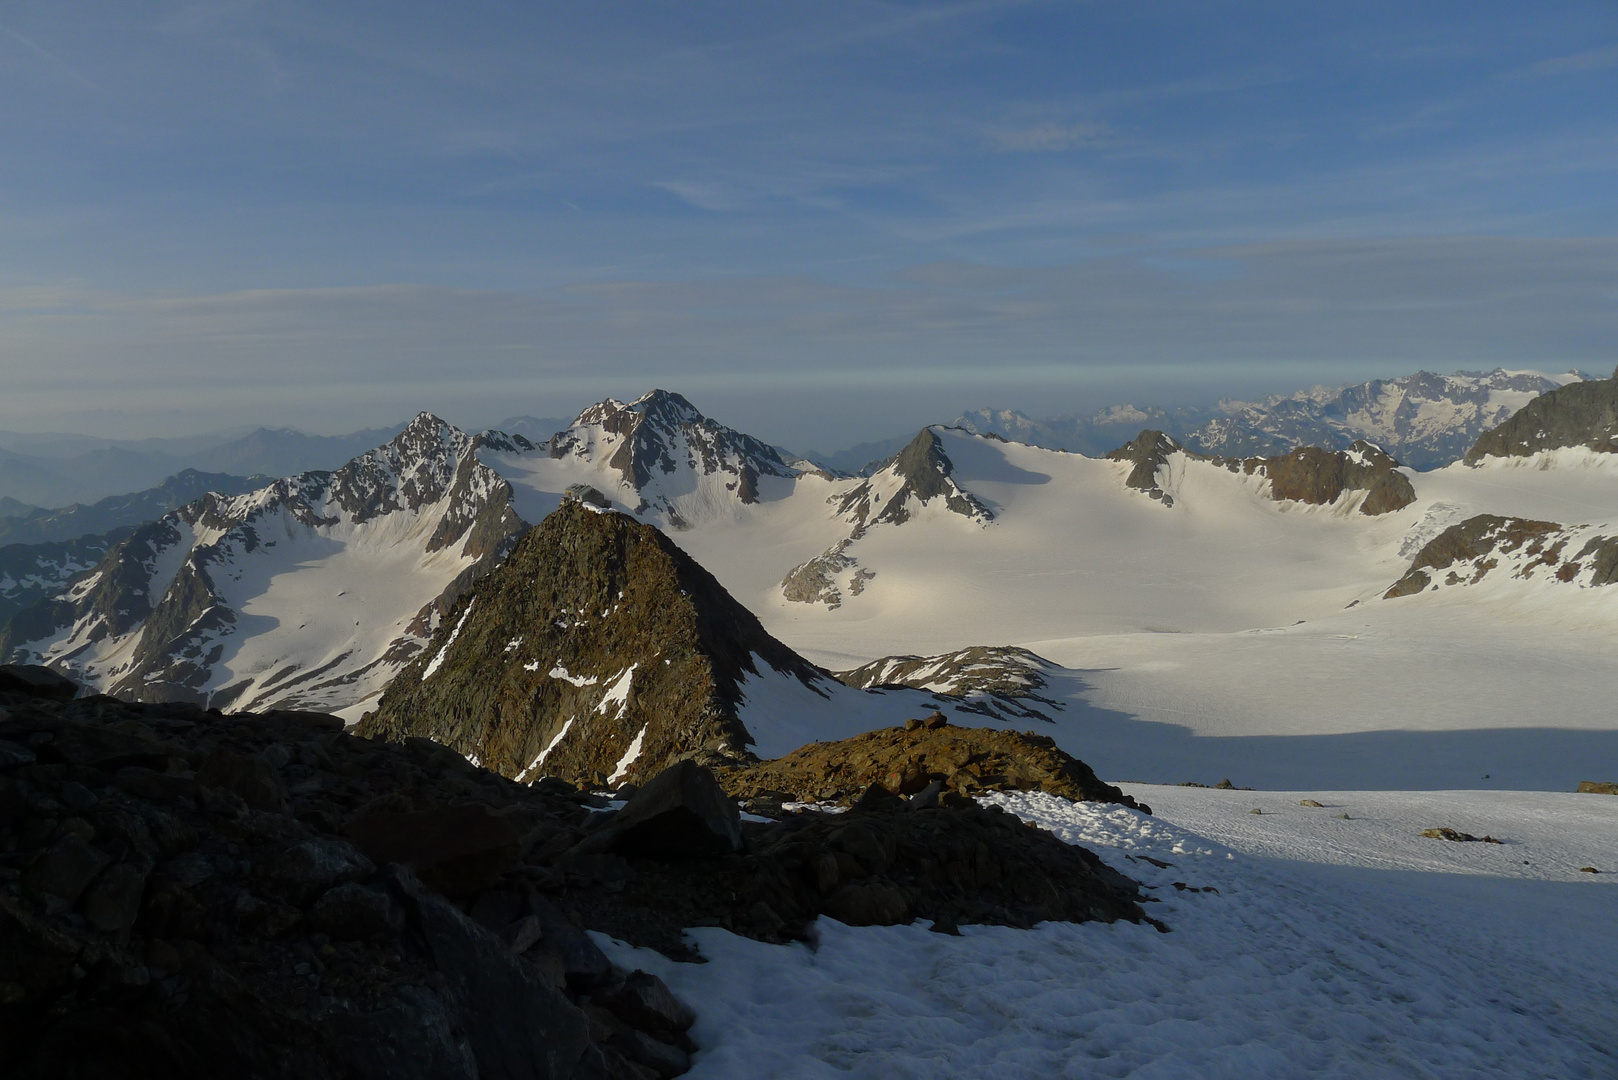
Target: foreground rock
189 894
907 759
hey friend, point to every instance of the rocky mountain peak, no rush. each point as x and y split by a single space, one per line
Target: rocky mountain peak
917 476
599 651
1578 414
664 449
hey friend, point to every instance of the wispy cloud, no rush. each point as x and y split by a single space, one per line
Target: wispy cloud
49 57
1049 138
1575 63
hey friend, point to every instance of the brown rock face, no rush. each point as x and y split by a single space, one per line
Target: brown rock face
907 759
1315 476
1307 475
599 650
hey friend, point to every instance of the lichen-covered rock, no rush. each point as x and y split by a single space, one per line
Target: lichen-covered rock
965 760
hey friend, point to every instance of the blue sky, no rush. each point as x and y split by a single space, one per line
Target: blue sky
821 221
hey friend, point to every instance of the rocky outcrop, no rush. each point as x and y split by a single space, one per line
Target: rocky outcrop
599 651
1579 414
1307 474
1487 544
157 616
918 476
1003 681
908 759
1597 787
1320 477
911 479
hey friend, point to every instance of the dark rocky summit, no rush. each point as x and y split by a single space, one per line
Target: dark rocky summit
598 652
188 894
1578 414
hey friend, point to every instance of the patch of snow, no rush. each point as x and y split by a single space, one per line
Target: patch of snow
434 664
618 693
631 755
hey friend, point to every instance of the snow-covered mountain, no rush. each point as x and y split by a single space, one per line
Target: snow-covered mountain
669 457
914 481
308 592
1425 420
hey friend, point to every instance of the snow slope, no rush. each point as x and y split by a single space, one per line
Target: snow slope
1419 958
1227 634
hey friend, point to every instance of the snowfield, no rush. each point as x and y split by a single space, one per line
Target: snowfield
1331 948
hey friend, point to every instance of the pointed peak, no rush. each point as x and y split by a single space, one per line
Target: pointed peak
666 405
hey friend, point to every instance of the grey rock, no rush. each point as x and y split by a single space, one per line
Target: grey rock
320 864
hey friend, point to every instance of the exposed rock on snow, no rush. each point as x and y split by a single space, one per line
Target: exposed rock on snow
200 605
1579 414
1148 453
1000 681
1516 547
651 650
1308 474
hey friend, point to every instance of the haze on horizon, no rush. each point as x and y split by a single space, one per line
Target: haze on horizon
822 222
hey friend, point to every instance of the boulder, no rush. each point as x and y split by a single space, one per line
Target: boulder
681 813
352 912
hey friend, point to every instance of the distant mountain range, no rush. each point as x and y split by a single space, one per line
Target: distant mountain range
56 470
1425 420
318 589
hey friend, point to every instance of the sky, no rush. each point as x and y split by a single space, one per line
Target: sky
823 222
